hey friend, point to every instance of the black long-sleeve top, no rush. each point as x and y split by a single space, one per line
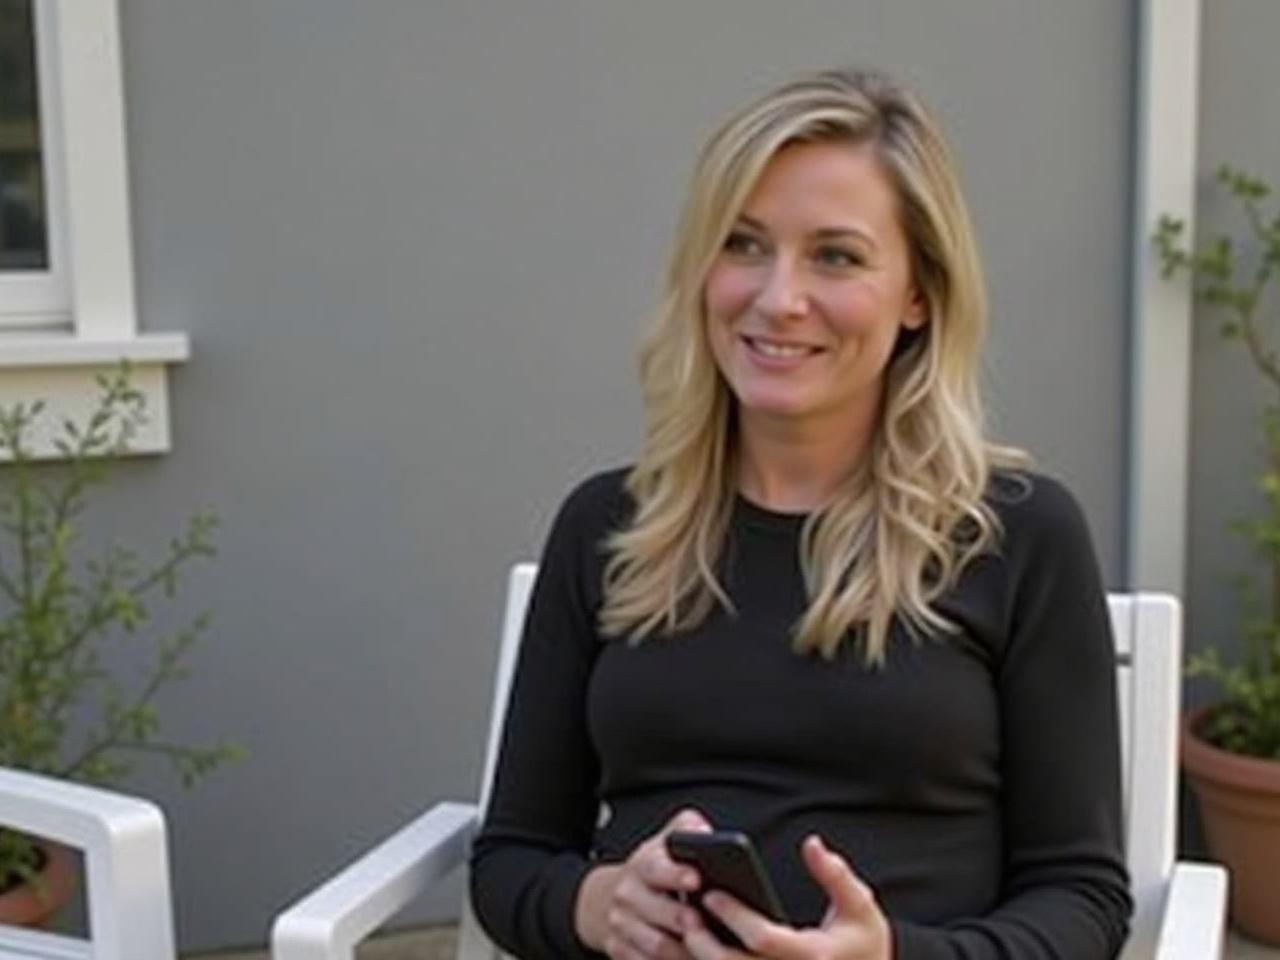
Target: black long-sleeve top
973 781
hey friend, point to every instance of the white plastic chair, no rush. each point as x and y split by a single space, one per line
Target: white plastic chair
1180 908
126 861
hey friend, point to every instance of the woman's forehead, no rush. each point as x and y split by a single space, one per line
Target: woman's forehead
823 186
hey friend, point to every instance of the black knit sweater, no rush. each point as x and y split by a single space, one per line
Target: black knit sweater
973 781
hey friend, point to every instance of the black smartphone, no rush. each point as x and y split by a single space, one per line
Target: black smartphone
726 860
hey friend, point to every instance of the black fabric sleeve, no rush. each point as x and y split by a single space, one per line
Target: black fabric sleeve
1065 893
532 851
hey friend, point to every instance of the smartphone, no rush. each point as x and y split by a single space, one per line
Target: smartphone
726 860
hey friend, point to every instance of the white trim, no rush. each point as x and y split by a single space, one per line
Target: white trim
71 391
1161 310
94 156
51 351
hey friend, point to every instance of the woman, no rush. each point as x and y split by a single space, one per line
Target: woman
821 608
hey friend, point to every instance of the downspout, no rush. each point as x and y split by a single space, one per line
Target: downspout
1165 125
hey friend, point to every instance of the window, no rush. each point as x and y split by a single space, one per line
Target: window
32 251
67 307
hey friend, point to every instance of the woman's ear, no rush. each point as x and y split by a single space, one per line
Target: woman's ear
917 314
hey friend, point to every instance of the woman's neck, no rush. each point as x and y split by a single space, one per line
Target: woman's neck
794 470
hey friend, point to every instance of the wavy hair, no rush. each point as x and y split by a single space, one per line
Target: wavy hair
903 526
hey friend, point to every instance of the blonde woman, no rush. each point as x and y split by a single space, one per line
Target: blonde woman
821 608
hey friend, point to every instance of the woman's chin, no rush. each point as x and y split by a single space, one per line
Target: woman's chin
773 407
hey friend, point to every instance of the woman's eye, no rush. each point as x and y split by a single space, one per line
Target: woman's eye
742 244
837 257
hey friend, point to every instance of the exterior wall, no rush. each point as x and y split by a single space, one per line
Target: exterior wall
1239 117
412 244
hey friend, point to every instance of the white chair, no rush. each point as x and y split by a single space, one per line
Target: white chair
1180 908
126 861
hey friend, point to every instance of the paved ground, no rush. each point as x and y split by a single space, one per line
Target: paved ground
437 943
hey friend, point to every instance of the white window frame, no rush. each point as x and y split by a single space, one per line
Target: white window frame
88 324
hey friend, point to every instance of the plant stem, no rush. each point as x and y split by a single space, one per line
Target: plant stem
111 737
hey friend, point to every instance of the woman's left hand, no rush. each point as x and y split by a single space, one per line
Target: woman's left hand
853 929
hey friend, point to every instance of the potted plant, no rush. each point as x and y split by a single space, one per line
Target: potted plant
1231 748
64 711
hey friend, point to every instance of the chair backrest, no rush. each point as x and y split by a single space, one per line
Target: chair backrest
1148 638
519 586
472 942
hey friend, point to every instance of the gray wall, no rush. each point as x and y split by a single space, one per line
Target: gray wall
412 242
1239 120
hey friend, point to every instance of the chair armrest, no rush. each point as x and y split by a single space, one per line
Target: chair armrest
125 853
327 923
1195 913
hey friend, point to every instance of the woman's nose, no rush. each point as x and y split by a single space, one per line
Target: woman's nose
782 293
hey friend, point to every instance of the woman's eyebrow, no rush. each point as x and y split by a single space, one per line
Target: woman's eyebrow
822 233
842 233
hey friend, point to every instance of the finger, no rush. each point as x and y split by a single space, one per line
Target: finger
828 916
655 908
690 818
655 863
849 896
702 945
646 940
656 868
760 935
617 947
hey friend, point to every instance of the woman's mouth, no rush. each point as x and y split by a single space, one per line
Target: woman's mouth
778 351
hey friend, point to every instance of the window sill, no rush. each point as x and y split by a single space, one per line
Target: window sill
60 369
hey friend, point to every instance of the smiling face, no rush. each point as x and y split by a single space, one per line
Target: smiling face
808 295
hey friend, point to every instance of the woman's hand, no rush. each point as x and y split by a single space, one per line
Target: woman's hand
629 910
853 929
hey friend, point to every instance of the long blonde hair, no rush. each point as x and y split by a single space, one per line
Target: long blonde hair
901 529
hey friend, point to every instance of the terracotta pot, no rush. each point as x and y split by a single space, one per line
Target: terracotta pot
24 907
1240 808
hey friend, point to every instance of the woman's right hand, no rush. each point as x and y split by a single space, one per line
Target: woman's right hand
629 910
